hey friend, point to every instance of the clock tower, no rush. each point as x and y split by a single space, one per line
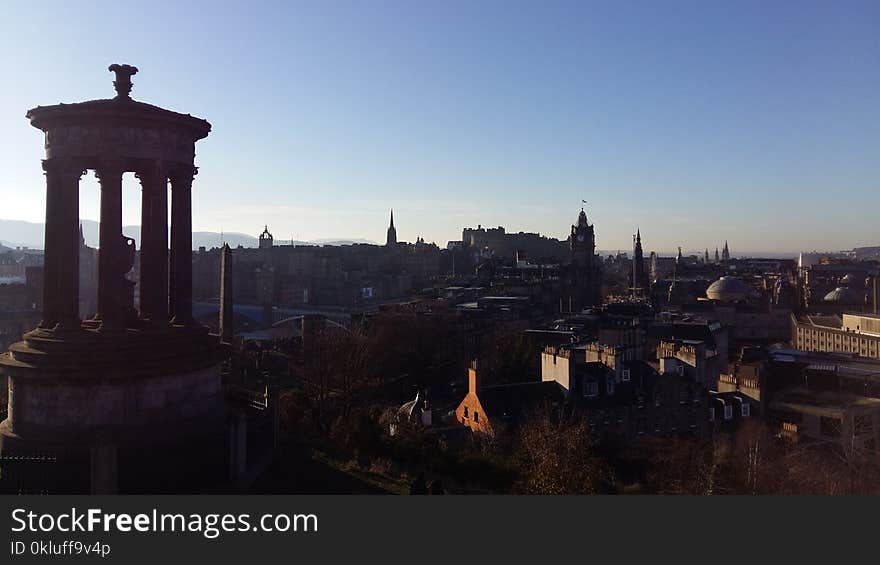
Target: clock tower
583 240
584 287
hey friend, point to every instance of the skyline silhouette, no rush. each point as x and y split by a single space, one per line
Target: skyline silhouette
696 123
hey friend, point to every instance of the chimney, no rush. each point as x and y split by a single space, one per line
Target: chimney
227 332
474 380
426 411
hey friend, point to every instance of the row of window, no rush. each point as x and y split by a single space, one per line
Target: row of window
745 411
661 420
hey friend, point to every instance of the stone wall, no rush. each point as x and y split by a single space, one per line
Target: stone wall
110 404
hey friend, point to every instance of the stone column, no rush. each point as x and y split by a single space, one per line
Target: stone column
181 243
227 316
110 302
154 243
61 246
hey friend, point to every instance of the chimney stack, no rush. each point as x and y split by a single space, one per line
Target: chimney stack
474 380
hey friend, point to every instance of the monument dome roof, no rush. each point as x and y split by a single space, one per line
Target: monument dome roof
727 289
844 295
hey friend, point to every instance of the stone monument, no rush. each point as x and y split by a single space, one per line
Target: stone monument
135 393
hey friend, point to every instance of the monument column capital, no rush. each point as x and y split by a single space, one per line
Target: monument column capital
65 168
180 174
110 169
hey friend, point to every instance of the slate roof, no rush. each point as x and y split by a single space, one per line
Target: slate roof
508 402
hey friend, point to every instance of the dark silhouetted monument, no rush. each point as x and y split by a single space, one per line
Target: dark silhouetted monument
227 317
133 393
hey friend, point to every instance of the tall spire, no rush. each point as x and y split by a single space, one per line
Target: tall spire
640 281
391 237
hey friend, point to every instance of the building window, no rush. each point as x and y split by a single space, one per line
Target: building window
476 416
609 387
728 411
680 369
591 388
625 376
465 411
711 413
746 410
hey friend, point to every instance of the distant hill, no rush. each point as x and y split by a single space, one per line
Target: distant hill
339 241
18 233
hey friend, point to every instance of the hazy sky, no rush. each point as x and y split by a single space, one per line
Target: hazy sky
698 122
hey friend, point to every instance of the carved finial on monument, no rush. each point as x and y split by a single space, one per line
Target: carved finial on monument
123 80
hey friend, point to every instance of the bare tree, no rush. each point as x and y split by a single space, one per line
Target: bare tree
556 456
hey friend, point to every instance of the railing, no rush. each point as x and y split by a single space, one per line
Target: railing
35 457
248 397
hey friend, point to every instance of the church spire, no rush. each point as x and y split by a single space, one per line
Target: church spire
640 281
391 237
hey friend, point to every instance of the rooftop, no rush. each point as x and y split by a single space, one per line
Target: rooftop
821 402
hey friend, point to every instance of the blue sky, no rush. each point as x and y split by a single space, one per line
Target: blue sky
754 122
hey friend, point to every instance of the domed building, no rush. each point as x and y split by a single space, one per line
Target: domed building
728 289
845 295
416 411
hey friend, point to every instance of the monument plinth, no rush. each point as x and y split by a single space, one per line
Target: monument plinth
145 379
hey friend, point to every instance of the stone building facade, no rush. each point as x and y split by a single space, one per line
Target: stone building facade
345 276
855 333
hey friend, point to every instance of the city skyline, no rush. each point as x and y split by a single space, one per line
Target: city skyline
692 129
31 237
433 248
